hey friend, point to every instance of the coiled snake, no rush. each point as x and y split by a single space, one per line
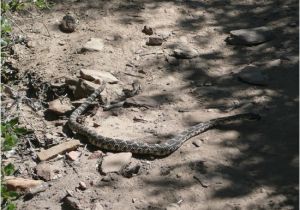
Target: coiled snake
141 148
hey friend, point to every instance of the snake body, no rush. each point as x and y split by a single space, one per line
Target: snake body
163 149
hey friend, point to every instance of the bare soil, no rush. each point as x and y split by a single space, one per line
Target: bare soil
244 165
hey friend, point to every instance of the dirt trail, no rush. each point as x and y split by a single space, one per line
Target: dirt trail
245 165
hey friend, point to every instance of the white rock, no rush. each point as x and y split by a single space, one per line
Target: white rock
92 75
115 162
94 44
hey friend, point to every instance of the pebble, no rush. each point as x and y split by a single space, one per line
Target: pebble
147 30
94 44
131 170
251 36
68 24
82 186
58 149
93 75
60 106
252 75
73 155
154 41
115 162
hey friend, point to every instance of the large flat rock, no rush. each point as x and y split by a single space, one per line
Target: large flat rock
94 44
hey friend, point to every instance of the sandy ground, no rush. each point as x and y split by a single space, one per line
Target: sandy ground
245 165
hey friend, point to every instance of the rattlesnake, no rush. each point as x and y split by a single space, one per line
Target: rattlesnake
141 148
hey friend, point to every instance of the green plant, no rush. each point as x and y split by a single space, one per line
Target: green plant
10 133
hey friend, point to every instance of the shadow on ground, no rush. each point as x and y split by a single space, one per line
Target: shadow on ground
269 148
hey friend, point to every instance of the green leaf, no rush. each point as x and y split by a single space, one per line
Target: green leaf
13 122
4 7
20 131
5 26
11 206
8 195
3 130
9 169
10 140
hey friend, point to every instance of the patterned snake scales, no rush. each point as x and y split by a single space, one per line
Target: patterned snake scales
162 149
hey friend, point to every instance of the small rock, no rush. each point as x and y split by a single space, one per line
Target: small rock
46 171
115 162
184 51
68 24
94 44
154 41
73 155
61 43
60 106
93 75
252 75
252 36
58 149
147 30
21 184
96 155
197 142
173 206
97 206
131 170
82 186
